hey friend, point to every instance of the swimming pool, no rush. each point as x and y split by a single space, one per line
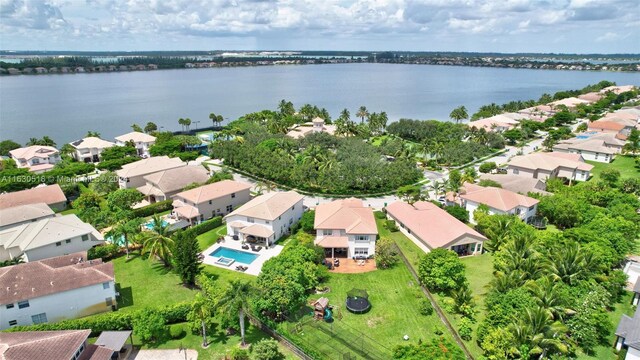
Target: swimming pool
586 135
239 256
149 225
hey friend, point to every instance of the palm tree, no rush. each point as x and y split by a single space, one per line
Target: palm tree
469 175
569 265
498 234
546 293
181 122
216 119
362 113
202 309
47 141
235 299
263 186
157 242
345 115
438 187
124 228
537 330
187 123
92 134
459 113
33 141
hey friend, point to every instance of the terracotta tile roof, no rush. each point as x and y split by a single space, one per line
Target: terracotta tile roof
570 102
591 97
498 198
50 194
257 230
177 178
430 224
333 242
606 125
149 166
519 184
50 276
618 89
349 215
41 167
136 136
595 145
34 151
92 142
550 161
24 213
213 191
187 211
42 345
268 206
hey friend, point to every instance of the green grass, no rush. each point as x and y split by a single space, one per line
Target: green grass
210 237
625 164
395 299
69 211
479 273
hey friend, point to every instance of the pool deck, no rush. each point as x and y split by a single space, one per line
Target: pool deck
254 267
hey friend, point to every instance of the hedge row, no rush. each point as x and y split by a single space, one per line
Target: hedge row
153 209
205 226
109 321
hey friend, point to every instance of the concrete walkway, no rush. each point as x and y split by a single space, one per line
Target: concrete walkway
173 354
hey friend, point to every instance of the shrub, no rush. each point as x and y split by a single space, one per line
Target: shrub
104 252
306 222
438 330
239 354
391 225
153 209
441 270
204 226
487 167
116 164
426 308
380 215
177 331
148 325
464 329
266 349
458 212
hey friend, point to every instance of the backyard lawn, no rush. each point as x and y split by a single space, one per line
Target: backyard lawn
625 164
210 237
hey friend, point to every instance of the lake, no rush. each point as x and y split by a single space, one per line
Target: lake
65 107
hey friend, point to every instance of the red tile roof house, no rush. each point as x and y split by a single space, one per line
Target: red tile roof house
132 175
346 228
208 201
499 201
550 165
65 344
141 141
90 148
163 185
51 195
55 289
37 158
430 227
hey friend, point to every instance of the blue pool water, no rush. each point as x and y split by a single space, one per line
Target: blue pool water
149 225
239 256
586 135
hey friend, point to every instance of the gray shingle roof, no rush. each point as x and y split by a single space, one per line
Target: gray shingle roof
629 329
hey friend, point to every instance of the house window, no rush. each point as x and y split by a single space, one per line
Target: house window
108 301
23 304
105 285
13 322
293 207
531 208
251 220
233 195
266 221
67 241
39 318
229 208
362 237
518 211
290 221
210 201
85 237
361 252
59 243
515 171
10 306
279 217
327 232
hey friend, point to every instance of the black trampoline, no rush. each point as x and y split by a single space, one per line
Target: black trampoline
358 301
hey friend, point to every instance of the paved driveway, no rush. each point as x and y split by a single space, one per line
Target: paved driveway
173 354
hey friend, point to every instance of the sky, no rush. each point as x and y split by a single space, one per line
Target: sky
559 26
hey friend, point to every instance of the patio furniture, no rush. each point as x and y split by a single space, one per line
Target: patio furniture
245 247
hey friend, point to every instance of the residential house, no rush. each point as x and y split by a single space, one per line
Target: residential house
591 97
266 218
208 201
601 147
618 89
346 228
518 184
636 293
496 123
571 103
89 149
538 113
430 227
55 289
141 141
628 335
13 71
22 214
41 70
632 270
132 175
498 200
317 125
551 165
36 158
65 344
51 195
48 237
152 67
163 185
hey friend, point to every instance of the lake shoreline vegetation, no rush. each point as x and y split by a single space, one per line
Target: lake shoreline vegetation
36 63
553 293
